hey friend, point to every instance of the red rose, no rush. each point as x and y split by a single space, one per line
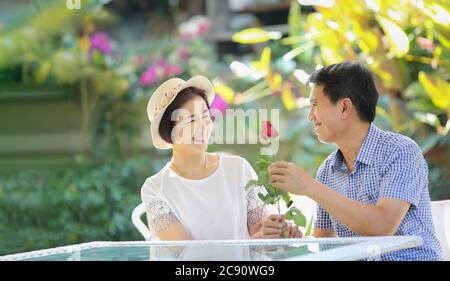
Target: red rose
268 131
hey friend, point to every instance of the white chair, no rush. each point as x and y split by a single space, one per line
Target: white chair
138 212
441 221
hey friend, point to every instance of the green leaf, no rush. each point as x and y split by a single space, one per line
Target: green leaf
251 184
262 163
427 118
288 215
437 89
267 199
271 190
287 198
252 36
294 19
288 204
299 219
398 40
263 177
309 228
430 142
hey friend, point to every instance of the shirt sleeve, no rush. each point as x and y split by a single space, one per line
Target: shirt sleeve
256 209
160 215
404 175
322 220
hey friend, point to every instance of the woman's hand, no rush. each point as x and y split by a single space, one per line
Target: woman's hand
275 226
293 231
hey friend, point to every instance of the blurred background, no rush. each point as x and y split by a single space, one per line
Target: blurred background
75 146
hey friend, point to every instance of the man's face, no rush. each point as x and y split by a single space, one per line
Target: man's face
325 116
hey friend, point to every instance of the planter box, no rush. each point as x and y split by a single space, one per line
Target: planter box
38 121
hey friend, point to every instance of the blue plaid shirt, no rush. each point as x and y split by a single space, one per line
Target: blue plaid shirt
388 165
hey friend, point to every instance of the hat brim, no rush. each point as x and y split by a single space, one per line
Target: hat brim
199 82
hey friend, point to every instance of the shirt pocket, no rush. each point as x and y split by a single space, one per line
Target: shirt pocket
369 191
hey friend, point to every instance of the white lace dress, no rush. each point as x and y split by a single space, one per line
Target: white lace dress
216 207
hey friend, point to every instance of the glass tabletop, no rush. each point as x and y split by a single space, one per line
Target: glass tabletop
226 250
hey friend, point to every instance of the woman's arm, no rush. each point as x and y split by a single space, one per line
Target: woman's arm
174 232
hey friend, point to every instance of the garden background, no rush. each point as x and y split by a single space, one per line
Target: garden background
75 147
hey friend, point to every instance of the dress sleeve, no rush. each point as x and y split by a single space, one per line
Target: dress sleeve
159 214
256 209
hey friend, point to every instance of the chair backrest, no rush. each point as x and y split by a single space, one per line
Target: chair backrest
138 212
441 221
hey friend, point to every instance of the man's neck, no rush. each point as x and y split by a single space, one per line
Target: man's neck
351 142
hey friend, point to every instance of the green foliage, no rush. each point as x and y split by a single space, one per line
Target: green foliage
405 46
88 202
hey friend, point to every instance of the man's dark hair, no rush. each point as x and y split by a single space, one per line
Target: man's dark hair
349 80
167 124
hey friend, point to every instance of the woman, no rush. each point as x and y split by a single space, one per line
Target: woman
200 195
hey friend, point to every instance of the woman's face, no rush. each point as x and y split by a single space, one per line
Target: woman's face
193 124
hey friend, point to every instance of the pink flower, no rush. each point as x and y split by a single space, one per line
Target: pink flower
172 69
219 103
425 43
203 27
276 94
149 76
183 53
268 131
100 41
139 59
196 26
157 71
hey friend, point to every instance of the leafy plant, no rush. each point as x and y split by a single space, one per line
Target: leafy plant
274 195
88 202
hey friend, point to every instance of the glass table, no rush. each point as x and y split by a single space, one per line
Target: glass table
330 249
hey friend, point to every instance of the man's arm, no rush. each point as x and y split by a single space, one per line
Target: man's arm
381 219
318 232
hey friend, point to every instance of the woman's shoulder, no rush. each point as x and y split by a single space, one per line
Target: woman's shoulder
151 184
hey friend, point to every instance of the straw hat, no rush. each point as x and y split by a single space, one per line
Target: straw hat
165 95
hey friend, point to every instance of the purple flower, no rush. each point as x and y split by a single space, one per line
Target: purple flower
100 41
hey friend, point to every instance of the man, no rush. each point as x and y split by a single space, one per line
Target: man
376 182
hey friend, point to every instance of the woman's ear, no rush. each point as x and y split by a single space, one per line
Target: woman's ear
347 108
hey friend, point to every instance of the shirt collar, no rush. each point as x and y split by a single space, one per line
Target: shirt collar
365 154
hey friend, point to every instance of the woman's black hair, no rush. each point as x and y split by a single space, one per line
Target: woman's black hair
167 124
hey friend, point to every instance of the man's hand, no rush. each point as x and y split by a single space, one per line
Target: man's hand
289 177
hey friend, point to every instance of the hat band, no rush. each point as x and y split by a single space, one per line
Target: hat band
166 99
